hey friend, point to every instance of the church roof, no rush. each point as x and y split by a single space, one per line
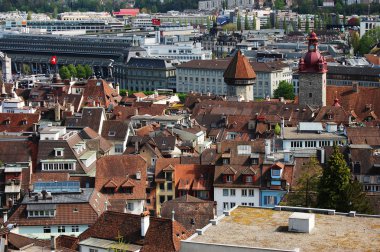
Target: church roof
239 68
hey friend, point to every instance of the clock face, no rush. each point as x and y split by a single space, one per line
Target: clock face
311 47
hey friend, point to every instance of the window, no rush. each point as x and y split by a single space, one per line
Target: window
162 186
228 178
276 172
251 204
225 205
251 192
269 200
225 192
366 179
93 250
61 229
226 160
128 190
244 192
357 167
169 176
118 148
74 228
232 192
47 229
170 197
130 207
244 150
244 203
112 133
255 161
310 95
169 186
248 179
162 199
232 204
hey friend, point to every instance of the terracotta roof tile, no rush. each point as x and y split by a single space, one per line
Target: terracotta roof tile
16 122
239 68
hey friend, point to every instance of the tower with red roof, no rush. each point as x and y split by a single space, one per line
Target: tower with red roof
240 77
312 75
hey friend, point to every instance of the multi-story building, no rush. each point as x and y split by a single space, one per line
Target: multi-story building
237 175
367 24
182 52
148 74
365 76
56 208
206 76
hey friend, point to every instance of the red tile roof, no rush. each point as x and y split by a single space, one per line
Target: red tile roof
15 122
239 68
100 93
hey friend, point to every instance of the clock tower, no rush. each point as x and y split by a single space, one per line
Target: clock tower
312 75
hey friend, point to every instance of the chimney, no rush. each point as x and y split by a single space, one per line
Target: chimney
355 86
105 206
44 192
267 147
136 147
53 244
173 214
144 223
5 216
118 88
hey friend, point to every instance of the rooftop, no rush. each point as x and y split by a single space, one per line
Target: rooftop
257 227
293 133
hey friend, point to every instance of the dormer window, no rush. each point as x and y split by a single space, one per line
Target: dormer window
128 190
228 178
24 122
7 121
111 133
248 179
226 160
254 161
58 152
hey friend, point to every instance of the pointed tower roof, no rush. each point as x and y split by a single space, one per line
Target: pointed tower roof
239 68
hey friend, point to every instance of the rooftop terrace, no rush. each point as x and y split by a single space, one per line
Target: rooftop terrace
266 228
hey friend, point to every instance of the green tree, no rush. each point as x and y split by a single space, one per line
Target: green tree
253 22
55 12
277 130
369 40
88 70
355 41
269 23
334 181
208 24
285 25
315 22
123 92
285 89
238 22
307 25
81 72
182 97
354 199
344 20
305 191
246 23
72 70
229 27
26 69
64 73
279 4
29 17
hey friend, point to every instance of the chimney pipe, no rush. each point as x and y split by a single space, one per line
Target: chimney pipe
106 206
53 244
173 214
144 223
5 216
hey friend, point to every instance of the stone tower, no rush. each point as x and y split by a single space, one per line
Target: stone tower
312 75
240 77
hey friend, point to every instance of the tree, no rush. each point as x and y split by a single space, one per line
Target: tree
253 22
355 41
72 70
285 25
315 22
64 73
276 25
279 4
26 69
88 70
307 25
238 22
229 27
81 72
123 92
29 17
208 24
369 40
334 181
354 199
305 191
277 130
285 89
269 23
246 24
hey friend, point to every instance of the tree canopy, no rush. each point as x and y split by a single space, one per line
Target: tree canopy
285 89
64 72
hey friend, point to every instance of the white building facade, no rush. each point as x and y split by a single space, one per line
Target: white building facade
229 197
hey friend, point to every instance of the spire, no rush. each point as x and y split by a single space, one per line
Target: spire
239 68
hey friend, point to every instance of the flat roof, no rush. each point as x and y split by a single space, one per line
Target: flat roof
267 228
293 133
